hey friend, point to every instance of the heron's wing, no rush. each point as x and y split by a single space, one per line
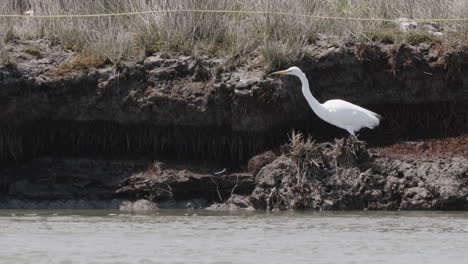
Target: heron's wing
338 104
346 114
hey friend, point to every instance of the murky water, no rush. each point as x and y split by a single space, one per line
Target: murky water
241 237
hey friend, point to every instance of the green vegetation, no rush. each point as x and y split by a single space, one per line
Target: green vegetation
79 64
153 48
418 37
34 51
386 36
395 36
233 35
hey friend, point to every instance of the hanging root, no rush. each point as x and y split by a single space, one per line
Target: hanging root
347 152
107 138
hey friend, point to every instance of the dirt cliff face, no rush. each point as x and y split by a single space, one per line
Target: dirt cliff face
58 108
363 180
193 105
340 176
185 91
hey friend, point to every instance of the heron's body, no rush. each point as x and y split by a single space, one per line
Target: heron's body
349 116
337 112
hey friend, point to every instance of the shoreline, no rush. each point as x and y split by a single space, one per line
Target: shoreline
383 183
183 128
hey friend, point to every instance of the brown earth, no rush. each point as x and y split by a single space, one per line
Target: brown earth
163 105
76 128
343 176
432 148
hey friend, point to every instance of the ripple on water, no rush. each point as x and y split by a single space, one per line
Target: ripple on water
204 237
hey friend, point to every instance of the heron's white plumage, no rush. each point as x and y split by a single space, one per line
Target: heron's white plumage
337 112
349 116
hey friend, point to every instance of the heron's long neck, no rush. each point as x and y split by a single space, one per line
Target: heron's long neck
314 104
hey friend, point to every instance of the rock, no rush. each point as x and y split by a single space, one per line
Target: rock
191 204
163 182
257 162
235 202
276 172
153 62
200 74
140 205
405 26
162 74
380 183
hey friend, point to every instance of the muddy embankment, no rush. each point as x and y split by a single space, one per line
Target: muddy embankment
179 132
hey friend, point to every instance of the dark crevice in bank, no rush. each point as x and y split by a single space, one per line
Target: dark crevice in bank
112 140
221 144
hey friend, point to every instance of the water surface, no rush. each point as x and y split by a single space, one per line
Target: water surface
241 237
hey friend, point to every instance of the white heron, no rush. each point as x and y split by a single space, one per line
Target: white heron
337 112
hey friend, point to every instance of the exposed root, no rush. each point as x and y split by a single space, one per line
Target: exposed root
347 152
217 189
235 186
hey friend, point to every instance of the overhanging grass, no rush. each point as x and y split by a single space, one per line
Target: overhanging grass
234 35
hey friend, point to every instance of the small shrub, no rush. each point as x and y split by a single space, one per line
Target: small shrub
79 64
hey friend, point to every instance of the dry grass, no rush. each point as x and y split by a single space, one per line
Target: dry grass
279 37
312 158
385 35
307 155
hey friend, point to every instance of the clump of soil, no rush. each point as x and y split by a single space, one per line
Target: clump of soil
346 176
445 147
313 160
291 181
257 162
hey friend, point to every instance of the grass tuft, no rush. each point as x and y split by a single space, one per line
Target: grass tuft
307 155
385 36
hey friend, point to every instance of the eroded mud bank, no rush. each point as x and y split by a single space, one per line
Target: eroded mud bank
194 109
339 176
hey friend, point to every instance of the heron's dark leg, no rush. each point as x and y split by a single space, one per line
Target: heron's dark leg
354 139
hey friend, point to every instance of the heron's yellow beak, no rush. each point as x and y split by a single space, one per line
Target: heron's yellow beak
280 72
